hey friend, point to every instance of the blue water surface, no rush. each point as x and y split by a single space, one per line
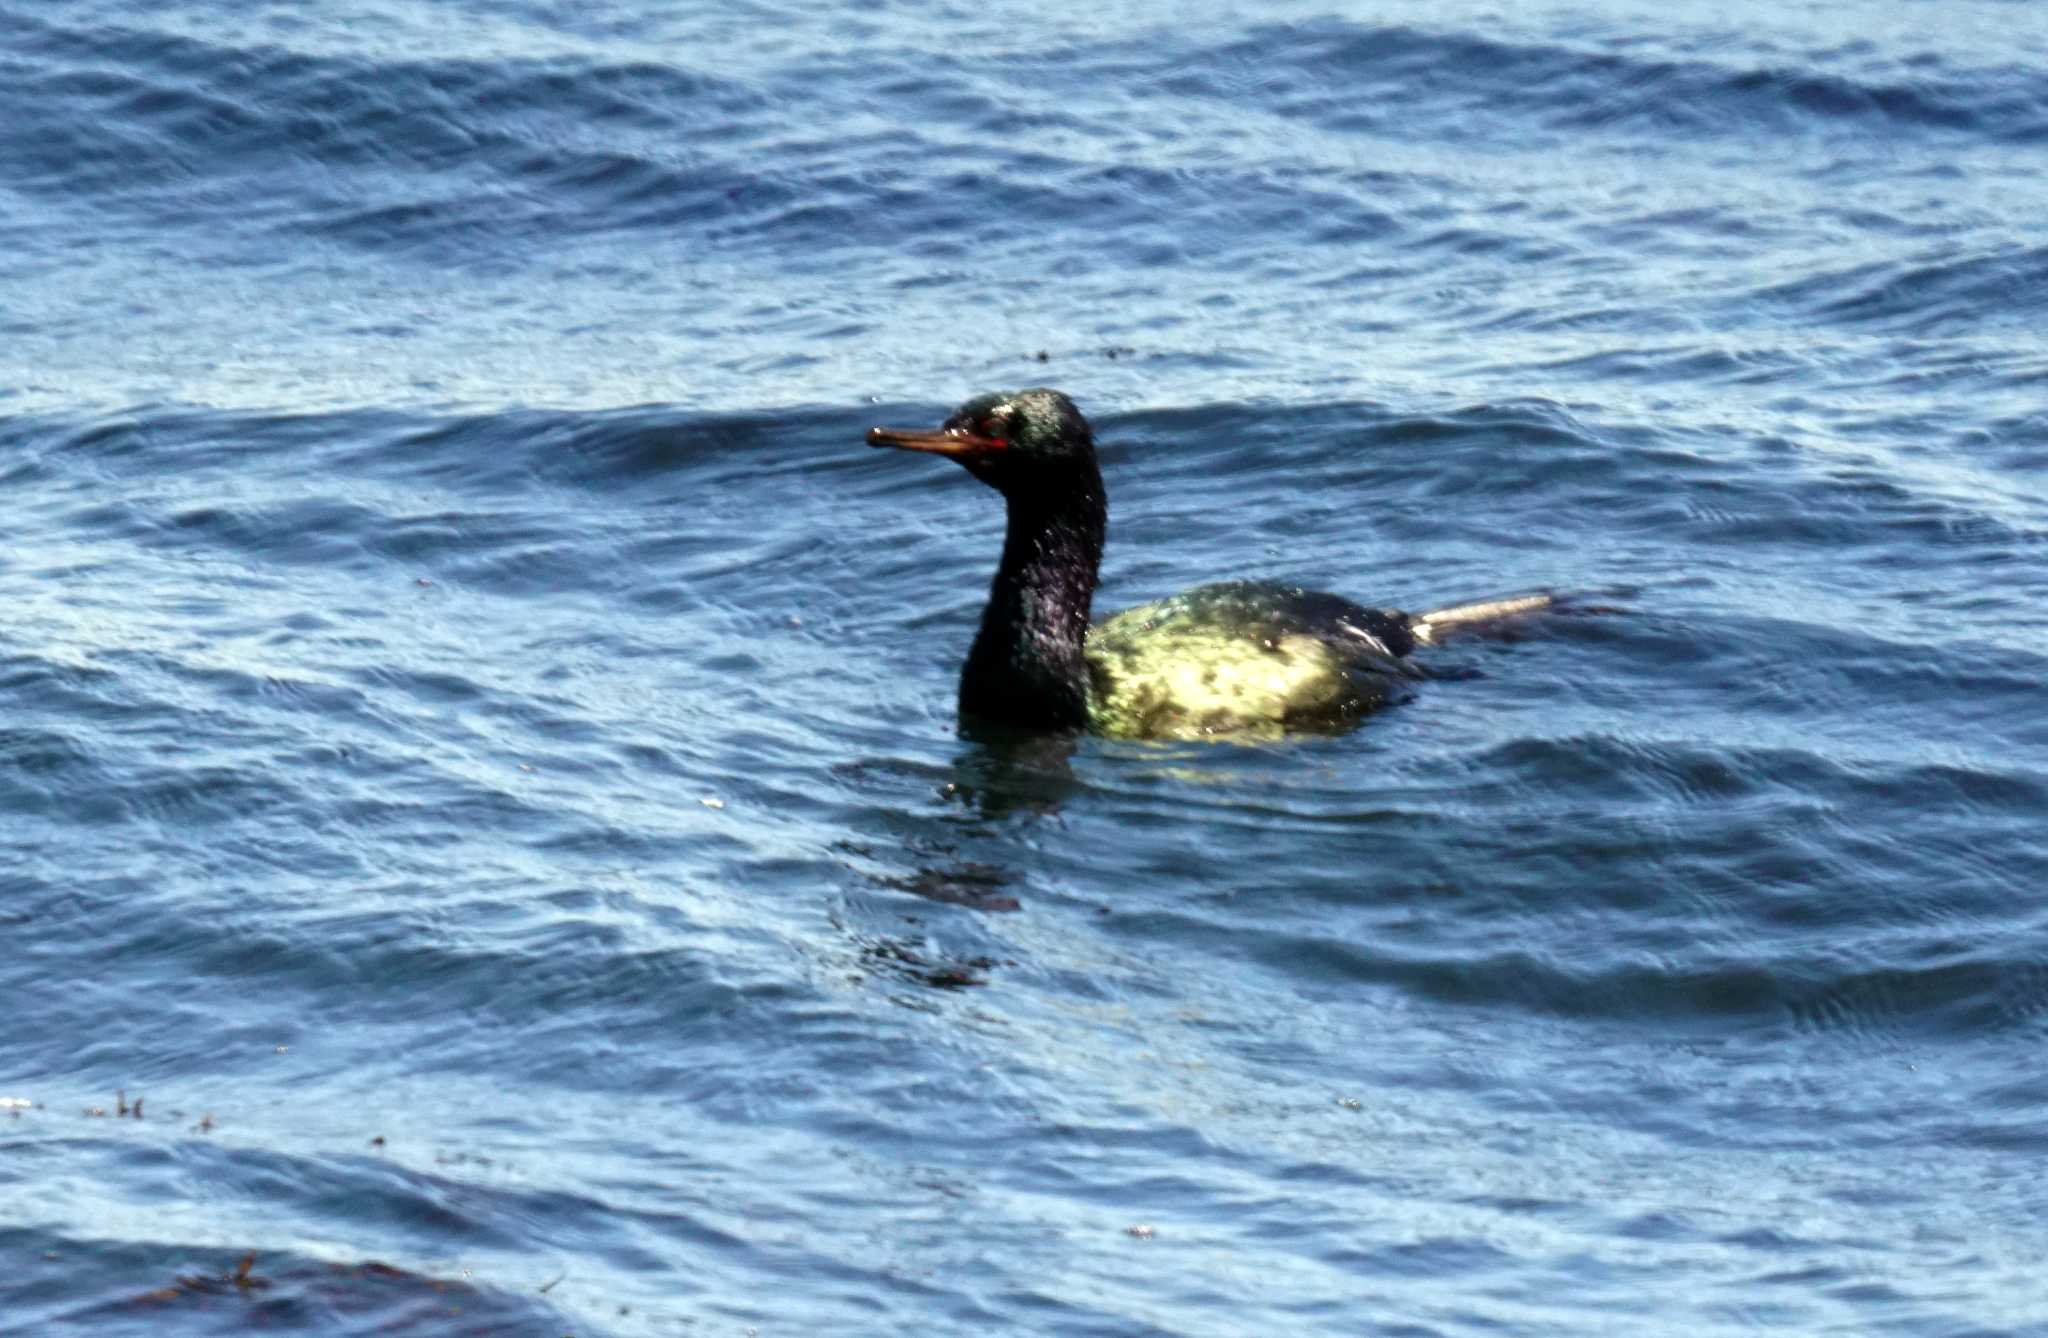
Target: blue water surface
485 845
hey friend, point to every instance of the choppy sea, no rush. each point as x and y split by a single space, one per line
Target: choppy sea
485 846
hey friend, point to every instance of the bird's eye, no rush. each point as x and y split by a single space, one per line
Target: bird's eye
993 426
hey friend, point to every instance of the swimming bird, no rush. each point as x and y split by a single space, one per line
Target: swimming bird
1236 659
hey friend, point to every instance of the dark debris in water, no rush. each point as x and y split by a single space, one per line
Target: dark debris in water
299 1295
1112 352
121 1110
243 1281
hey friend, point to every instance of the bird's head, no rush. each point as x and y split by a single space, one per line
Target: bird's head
1013 441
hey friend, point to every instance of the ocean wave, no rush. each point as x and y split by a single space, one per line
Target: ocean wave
1355 77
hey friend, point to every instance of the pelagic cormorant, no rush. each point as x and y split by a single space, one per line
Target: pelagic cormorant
1242 658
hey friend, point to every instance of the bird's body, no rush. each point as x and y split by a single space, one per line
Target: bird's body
1244 658
1240 659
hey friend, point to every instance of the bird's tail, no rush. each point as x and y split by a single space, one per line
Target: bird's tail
1484 615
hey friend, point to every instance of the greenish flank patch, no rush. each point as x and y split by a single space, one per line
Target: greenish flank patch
1198 666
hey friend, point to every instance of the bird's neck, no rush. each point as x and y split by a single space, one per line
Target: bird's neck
1027 666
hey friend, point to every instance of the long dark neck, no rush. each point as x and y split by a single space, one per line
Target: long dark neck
1027 667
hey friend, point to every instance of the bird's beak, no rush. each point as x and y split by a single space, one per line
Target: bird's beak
959 444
